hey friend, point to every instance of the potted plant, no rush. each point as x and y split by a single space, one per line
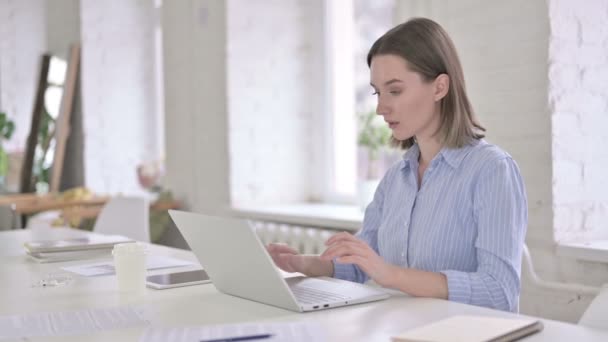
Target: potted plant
373 136
7 127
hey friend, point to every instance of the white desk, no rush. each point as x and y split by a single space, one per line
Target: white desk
203 304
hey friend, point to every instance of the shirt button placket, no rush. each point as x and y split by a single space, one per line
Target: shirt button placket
403 261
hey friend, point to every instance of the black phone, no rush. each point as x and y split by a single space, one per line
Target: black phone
170 280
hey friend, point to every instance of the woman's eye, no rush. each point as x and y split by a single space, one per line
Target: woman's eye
375 93
395 92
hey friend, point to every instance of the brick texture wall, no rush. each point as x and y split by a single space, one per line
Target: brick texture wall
578 93
274 94
22 42
118 82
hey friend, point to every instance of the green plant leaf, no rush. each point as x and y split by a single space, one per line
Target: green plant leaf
7 126
374 136
3 162
10 128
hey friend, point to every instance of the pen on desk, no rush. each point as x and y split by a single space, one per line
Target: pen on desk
240 338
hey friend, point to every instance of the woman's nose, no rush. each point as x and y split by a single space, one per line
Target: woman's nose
381 109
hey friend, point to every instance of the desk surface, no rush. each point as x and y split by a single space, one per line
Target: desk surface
203 304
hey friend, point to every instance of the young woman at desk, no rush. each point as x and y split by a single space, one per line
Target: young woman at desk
449 220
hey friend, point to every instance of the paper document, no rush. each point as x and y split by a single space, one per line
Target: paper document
107 267
69 322
266 332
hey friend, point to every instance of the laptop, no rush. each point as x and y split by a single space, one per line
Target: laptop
238 264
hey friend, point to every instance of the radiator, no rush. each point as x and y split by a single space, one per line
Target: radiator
307 240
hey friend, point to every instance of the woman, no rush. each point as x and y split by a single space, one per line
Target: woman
449 220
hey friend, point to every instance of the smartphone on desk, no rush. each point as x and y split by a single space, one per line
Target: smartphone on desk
178 279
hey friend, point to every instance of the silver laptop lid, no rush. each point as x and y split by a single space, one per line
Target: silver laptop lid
235 259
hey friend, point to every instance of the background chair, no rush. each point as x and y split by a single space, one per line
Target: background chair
596 315
9 219
127 216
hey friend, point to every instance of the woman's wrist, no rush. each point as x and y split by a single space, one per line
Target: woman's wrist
313 266
395 274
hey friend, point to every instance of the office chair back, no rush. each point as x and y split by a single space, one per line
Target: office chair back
9 218
127 216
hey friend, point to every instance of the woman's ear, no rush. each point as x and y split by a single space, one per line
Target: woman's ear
442 85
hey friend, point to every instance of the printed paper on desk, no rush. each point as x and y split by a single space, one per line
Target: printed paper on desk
107 267
272 332
62 323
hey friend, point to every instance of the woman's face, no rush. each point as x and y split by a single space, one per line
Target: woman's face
408 104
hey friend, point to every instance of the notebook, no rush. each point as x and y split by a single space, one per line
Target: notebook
472 329
77 244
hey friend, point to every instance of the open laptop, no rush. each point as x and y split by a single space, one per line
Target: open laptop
238 264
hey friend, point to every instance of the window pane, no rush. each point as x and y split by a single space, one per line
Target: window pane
372 19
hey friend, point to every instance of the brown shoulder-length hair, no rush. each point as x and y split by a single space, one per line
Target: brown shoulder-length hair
429 51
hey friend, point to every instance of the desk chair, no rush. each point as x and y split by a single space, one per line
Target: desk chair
596 314
127 216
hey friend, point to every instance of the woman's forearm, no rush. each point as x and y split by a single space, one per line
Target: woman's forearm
419 283
411 281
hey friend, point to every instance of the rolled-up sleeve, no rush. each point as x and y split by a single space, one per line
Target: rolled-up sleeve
501 215
368 233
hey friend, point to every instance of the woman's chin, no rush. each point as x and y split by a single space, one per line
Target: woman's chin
401 136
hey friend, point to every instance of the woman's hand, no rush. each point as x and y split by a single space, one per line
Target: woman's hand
289 260
285 257
347 249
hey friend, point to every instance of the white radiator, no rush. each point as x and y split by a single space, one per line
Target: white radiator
306 240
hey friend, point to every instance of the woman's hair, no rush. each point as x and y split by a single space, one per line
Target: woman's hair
429 51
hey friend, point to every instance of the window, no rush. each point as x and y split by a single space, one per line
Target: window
351 26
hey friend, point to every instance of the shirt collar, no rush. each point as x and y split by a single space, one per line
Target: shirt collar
452 156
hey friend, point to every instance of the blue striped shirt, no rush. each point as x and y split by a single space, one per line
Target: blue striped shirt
468 221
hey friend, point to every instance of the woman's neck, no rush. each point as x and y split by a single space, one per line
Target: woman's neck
428 150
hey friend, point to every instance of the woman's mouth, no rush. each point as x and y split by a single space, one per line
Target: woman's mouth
392 124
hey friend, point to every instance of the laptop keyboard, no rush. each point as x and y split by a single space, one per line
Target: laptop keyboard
308 295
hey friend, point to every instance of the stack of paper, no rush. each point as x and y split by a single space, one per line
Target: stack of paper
92 246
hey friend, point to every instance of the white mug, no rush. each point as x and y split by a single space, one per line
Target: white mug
130 265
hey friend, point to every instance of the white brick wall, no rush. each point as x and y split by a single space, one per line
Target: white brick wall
578 83
118 80
22 42
273 58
